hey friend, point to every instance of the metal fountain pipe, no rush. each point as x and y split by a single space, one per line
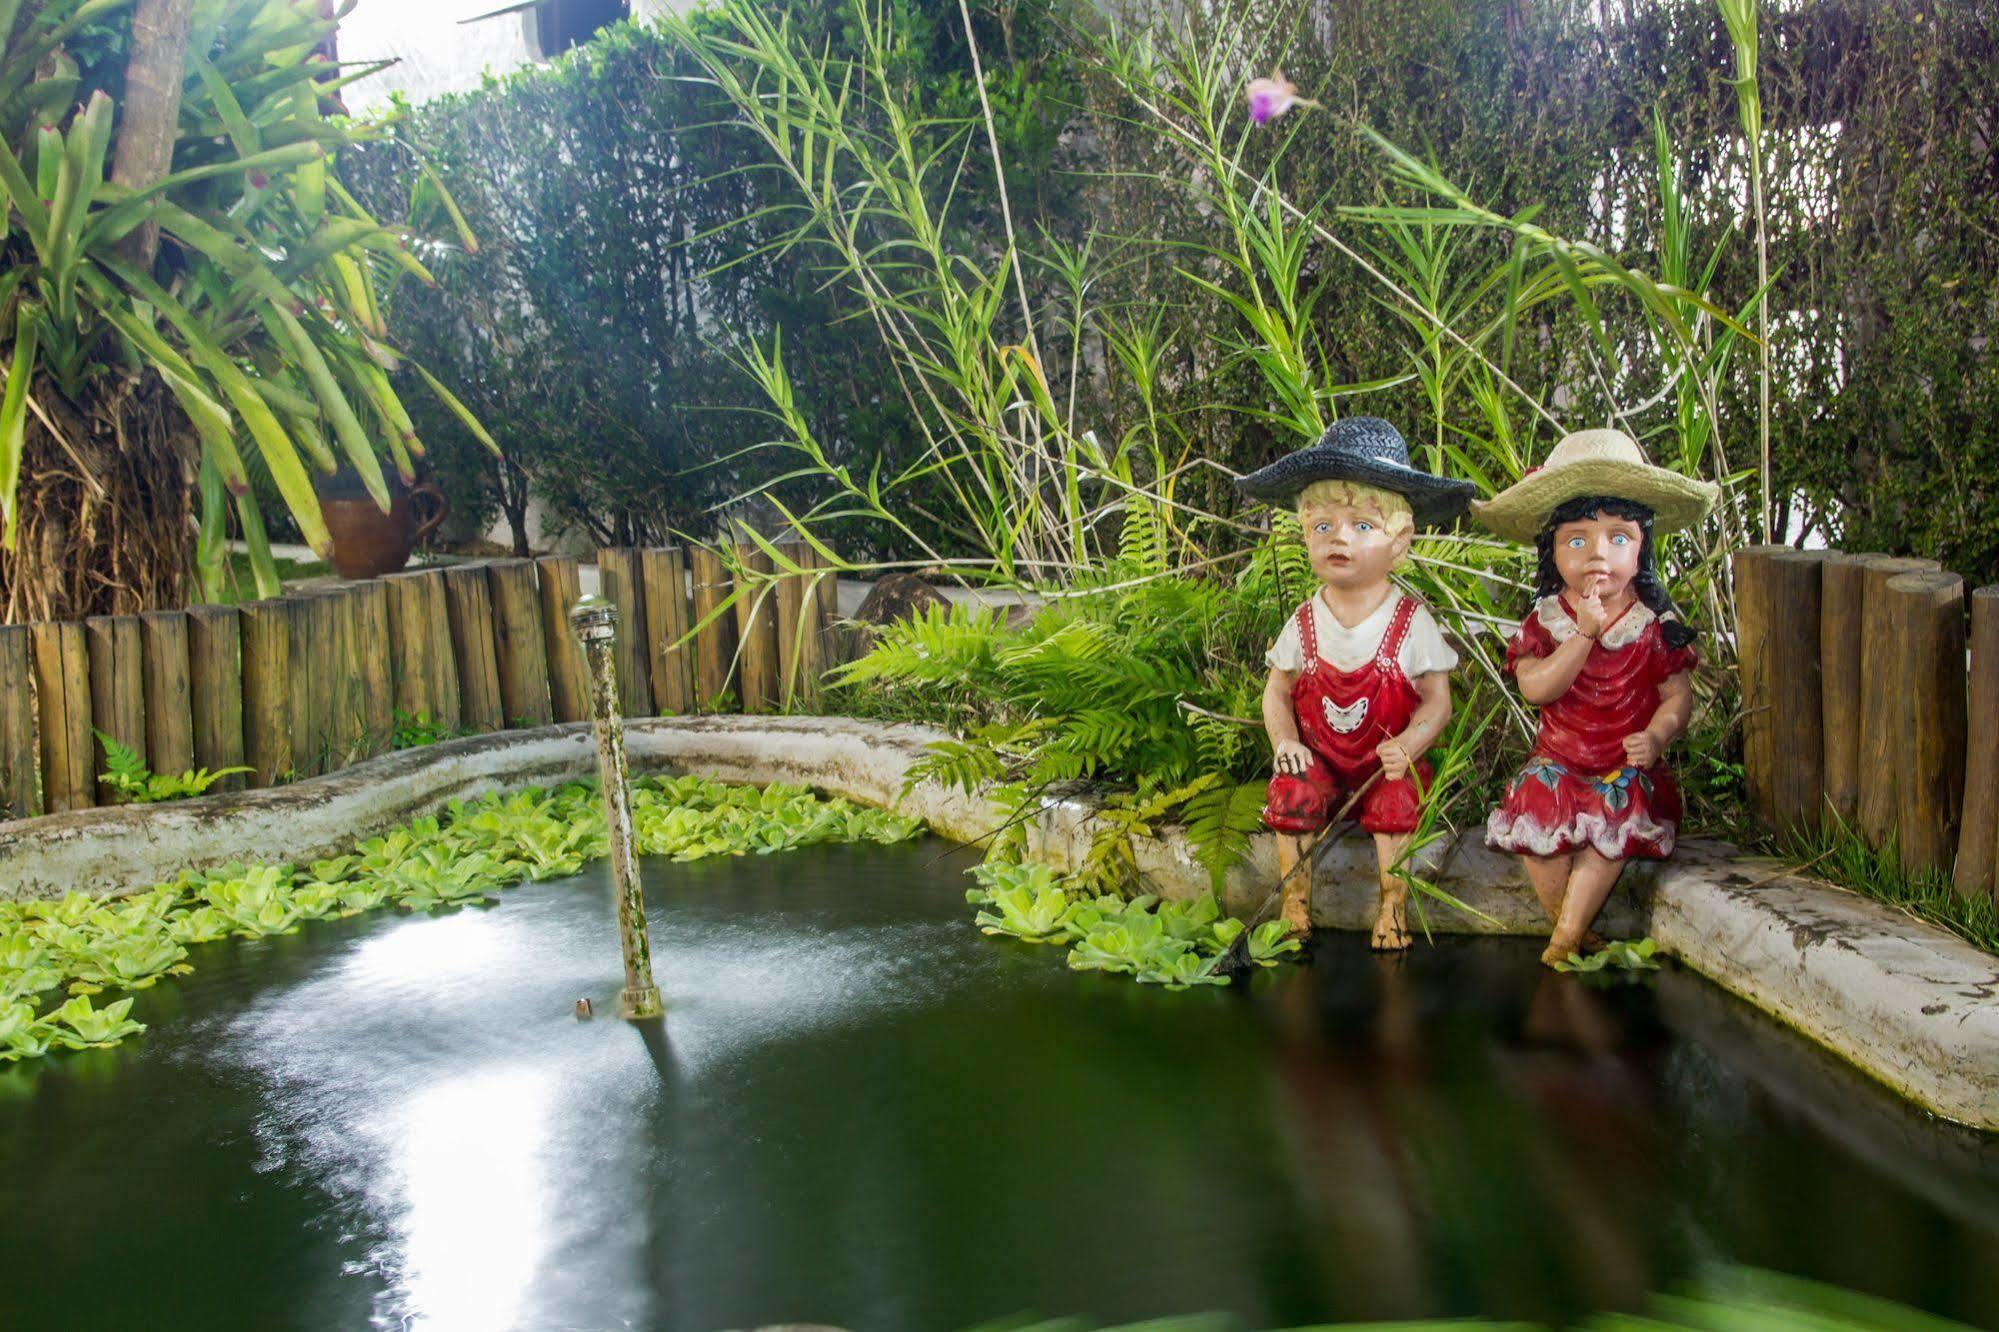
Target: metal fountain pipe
595 621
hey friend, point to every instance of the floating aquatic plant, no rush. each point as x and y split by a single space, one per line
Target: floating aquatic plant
474 850
1172 943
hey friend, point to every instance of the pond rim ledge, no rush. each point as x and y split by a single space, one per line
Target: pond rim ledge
1910 1004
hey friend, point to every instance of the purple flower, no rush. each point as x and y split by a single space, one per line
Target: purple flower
1272 97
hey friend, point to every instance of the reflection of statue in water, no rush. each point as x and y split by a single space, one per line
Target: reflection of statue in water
1492 1154
1343 1103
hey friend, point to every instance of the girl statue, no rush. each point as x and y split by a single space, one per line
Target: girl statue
1605 657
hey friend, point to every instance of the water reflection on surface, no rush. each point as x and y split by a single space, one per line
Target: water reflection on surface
860 1112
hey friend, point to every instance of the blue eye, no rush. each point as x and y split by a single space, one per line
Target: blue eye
1575 543
1363 526
1621 539
1322 528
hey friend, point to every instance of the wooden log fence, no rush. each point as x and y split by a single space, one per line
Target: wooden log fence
320 678
1870 696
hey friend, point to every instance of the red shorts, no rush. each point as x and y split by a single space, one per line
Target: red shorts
1307 803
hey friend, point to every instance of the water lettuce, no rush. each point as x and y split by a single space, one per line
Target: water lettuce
474 849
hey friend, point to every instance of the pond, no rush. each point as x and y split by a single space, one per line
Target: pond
866 1114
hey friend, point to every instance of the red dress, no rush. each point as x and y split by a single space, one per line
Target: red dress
1342 716
1577 790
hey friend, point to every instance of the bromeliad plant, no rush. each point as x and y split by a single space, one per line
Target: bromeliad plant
433 863
241 280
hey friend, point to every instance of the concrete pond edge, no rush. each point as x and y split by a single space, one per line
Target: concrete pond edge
1913 1006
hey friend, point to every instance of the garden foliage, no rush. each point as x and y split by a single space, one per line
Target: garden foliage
1168 943
261 317
1877 183
626 235
473 850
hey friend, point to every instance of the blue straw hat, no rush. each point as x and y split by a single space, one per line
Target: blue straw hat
1370 452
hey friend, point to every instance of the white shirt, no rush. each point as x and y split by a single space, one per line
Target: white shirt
1423 647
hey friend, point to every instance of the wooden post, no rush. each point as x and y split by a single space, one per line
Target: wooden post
267 690
469 601
215 690
824 590
20 790
1796 691
443 661
800 634
1928 610
622 576
756 630
169 704
410 647
665 575
375 678
1751 566
1882 693
568 677
310 626
117 689
1842 588
358 731
1978 837
715 631
520 656
62 696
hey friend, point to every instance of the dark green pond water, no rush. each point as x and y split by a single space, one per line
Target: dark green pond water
865 1113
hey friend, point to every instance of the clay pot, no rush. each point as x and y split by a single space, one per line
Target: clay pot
367 542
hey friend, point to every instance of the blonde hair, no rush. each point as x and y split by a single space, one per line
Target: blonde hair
1396 515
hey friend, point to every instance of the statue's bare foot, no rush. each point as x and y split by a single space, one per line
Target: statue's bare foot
1391 932
1297 917
1593 943
1559 949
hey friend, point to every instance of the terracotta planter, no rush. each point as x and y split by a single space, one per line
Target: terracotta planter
367 542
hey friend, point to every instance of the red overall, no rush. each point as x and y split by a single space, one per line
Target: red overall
1342 716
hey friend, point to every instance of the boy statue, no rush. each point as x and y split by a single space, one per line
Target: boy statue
1359 681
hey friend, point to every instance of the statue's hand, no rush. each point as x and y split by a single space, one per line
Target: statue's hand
1394 758
1589 610
1642 749
1292 758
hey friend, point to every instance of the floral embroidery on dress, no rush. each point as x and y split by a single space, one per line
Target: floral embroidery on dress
1543 770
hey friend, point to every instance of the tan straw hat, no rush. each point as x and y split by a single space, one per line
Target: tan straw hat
1595 462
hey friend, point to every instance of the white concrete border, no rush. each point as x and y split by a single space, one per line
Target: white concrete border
1912 1005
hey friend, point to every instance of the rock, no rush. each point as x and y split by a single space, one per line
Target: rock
894 598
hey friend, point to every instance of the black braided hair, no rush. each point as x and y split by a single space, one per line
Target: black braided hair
1646 584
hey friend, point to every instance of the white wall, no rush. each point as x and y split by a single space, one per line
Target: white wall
439 53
